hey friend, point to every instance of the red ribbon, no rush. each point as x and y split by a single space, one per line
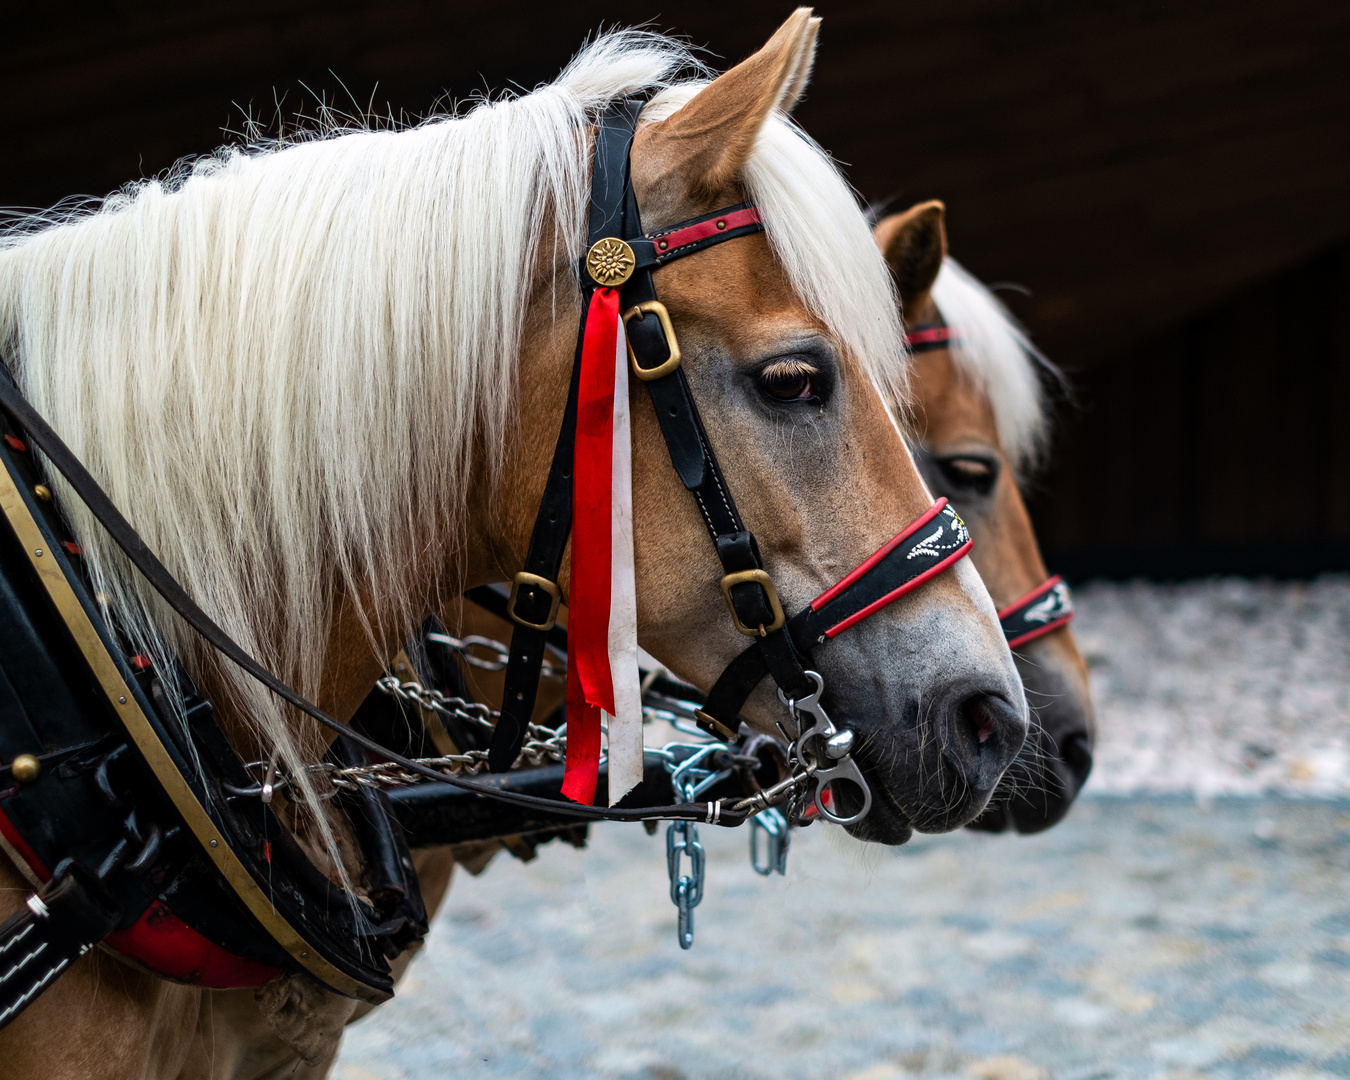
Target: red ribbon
590 685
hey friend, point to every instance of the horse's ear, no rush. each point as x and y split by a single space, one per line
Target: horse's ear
914 244
709 140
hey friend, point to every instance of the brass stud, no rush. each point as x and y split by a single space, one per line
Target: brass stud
43 492
37 552
721 224
121 701
214 843
25 768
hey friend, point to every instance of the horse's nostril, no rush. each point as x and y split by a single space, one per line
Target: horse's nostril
979 718
986 733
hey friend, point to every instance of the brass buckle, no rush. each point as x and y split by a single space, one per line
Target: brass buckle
540 583
663 317
760 578
714 726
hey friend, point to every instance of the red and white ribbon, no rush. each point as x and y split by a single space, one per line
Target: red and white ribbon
602 672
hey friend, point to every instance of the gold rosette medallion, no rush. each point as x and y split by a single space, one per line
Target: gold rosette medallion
610 262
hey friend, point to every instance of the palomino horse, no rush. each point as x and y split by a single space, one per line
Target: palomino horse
979 423
323 381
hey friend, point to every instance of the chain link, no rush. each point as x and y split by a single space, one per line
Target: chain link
543 745
472 647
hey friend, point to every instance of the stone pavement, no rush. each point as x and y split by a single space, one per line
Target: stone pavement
1145 937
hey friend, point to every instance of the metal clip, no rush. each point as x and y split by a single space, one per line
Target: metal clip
777 835
686 890
824 754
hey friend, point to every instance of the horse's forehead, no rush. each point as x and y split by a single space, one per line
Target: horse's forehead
953 407
736 290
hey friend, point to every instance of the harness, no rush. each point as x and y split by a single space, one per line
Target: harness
144 828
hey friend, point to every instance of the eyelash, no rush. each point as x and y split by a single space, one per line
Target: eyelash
800 379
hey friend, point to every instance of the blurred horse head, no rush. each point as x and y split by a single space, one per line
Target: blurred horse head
979 426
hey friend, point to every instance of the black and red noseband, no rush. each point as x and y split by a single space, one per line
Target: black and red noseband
1047 607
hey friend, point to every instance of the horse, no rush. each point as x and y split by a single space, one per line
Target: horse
979 426
322 381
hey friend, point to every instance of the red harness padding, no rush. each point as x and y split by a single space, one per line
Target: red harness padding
1047 607
160 941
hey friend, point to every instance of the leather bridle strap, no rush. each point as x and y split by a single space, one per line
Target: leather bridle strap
1047 607
936 540
616 232
535 592
930 336
147 563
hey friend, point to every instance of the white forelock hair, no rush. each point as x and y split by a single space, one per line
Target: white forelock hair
993 350
280 359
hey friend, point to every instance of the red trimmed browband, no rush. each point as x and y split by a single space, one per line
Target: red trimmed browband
670 243
930 335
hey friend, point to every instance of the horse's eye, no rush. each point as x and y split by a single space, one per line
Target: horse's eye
789 379
966 473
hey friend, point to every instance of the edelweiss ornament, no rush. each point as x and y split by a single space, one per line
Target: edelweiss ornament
610 262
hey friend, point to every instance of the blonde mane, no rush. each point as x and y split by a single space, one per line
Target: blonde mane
993 350
279 362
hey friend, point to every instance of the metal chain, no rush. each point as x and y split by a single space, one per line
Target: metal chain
466 647
542 746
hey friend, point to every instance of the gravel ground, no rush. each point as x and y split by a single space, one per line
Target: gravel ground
1220 687
1190 919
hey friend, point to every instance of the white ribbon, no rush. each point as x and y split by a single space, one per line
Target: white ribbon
625 728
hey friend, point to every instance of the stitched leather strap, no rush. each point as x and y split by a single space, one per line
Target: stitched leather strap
553 525
71 914
919 553
928 337
1047 607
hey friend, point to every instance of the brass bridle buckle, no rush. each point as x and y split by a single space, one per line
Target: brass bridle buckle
760 578
534 581
655 307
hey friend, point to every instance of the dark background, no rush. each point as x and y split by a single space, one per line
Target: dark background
1171 182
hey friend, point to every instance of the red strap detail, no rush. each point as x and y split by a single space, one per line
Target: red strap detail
1035 594
1040 631
908 587
165 944
668 244
15 444
140 662
72 547
161 941
876 557
1032 597
590 686
930 335
20 845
